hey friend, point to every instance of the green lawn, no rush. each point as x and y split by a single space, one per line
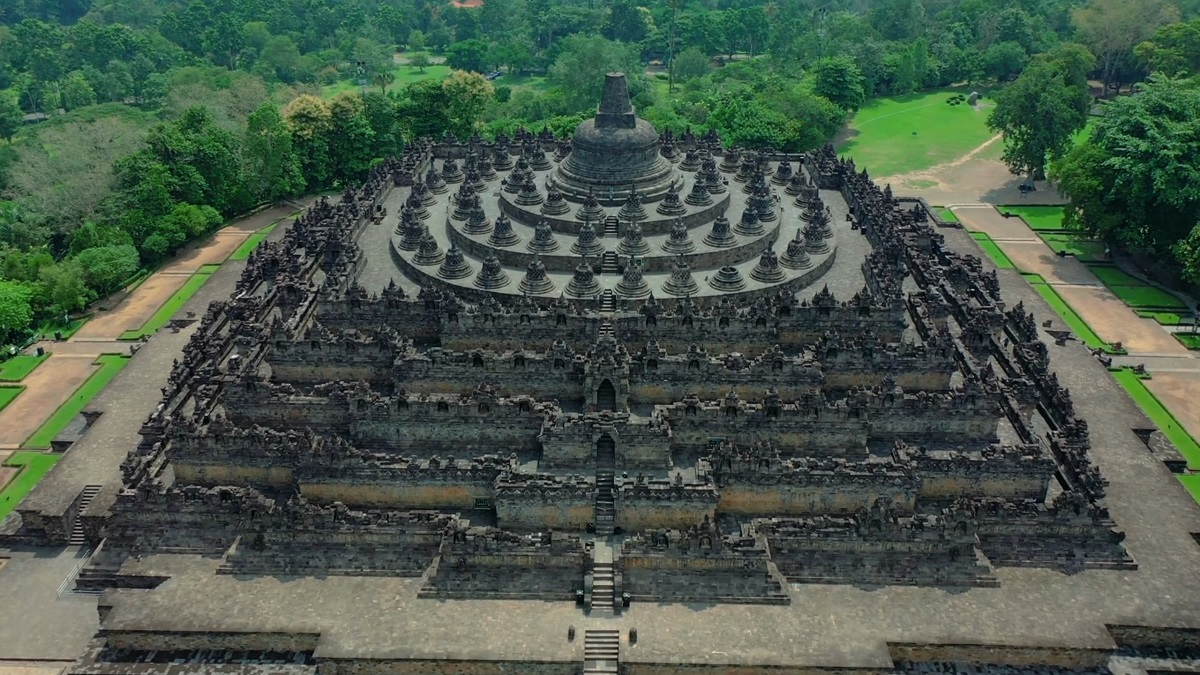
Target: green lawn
1192 483
1038 217
1189 340
1163 318
1134 291
404 75
1161 417
946 215
993 251
110 365
169 308
532 82
1076 323
47 330
891 136
16 368
7 394
1085 250
33 465
251 243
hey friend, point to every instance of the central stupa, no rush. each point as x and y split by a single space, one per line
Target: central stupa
614 152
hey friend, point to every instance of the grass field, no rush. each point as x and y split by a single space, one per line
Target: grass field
33 466
242 252
1161 417
169 308
16 368
404 75
892 136
1039 218
7 394
110 365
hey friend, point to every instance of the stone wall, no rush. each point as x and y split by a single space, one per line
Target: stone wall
663 504
493 564
535 503
875 546
570 440
697 565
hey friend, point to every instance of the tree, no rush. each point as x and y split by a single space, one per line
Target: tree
1136 183
64 288
11 117
420 61
690 64
467 95
626 22
416 41
351 145
272 167
1004 59
1173 49
76 92
382 79
743 121
469 55
582 63
1038 114
15 311
64 179
280 59
839 80
105 268
310 120
1112 28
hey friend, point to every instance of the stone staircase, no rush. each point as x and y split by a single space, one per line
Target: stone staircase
604 594
606 508
601 651
78 538
612 227
610 263
608 304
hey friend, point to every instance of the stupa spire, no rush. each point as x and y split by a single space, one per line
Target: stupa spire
616 111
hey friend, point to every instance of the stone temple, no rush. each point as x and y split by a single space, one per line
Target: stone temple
627 402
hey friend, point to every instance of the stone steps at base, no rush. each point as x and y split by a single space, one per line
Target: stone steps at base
77 537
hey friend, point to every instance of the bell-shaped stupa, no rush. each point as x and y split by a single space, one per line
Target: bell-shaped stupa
614 150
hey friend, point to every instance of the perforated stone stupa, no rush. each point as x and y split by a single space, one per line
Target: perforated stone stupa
610 192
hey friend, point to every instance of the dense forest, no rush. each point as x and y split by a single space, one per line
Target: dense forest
134 126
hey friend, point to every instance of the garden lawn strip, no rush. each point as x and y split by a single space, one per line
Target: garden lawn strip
1162 418
33 466
16 368
169 308
8 393
110 365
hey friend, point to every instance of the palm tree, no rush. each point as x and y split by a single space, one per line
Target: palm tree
383 78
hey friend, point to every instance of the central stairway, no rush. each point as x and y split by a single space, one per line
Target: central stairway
601 651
